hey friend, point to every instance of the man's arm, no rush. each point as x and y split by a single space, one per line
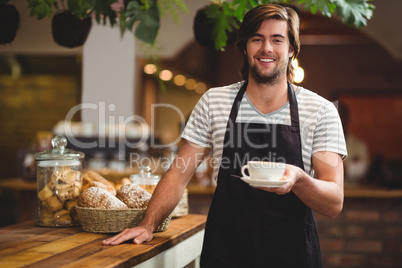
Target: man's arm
167 194
323 194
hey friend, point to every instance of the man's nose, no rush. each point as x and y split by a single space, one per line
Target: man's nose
267 46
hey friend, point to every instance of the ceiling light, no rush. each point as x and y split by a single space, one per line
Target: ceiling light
165 75
179 80
190 84
150 68
200 88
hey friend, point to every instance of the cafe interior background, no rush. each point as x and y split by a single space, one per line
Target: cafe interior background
42 85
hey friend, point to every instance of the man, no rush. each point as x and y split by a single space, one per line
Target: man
263 118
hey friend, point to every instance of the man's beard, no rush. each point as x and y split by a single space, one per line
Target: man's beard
270 79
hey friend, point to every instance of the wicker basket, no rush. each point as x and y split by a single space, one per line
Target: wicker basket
95 220
182 208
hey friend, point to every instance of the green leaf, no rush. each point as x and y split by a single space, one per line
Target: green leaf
122 23
326 7
103 10
148 27
148 17
41 8
81 8
223 18
133 11
173 7
354 12
240 8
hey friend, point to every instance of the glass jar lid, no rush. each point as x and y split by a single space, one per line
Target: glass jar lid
59 151
145 177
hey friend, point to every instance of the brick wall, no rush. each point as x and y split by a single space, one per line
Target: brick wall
367 234
29 104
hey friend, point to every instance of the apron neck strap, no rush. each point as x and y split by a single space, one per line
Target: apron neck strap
294 111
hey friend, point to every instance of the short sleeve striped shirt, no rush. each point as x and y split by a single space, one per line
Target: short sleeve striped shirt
320 125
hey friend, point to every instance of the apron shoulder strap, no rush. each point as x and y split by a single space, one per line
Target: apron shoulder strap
236 103
294 110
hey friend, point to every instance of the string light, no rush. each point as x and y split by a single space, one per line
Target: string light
190 84
178 80
150 68
165 75
200 88
298 72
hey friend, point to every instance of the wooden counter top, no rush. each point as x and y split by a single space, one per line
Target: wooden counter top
371 192
18 184
27 245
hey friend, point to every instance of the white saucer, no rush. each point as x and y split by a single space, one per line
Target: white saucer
263 183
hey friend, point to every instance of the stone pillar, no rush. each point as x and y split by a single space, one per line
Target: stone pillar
108 76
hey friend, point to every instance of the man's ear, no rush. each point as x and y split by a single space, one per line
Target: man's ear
291 52
245 52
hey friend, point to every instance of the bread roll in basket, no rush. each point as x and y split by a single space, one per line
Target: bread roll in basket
99 211
96 220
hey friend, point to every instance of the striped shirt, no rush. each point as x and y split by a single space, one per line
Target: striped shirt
320 125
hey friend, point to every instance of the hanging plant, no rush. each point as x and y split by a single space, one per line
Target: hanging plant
353 12
216 23
70 31
145 15
215 26
9 21
70 25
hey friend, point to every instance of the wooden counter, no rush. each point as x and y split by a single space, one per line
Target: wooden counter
26 245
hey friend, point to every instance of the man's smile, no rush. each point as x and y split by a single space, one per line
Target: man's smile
265 60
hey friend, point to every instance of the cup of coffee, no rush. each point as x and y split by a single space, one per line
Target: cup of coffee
263 170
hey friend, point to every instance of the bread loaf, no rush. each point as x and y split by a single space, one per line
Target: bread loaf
133 196
95 197
90 178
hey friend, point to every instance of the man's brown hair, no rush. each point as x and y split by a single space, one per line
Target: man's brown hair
252 22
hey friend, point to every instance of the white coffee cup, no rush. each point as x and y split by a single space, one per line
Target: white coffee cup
264 170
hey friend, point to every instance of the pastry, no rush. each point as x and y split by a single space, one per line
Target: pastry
70 204
91 176
45 193
59 196
53 204
95 197
62 217
133 196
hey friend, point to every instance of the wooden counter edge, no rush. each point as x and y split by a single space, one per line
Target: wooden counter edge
188 226
173 241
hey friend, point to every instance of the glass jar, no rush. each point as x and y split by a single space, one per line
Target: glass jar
146 179
59 184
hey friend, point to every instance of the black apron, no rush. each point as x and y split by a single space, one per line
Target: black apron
249 227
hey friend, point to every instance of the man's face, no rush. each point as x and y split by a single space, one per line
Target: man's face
268 52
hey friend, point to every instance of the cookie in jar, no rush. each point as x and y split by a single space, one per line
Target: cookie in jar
59 184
